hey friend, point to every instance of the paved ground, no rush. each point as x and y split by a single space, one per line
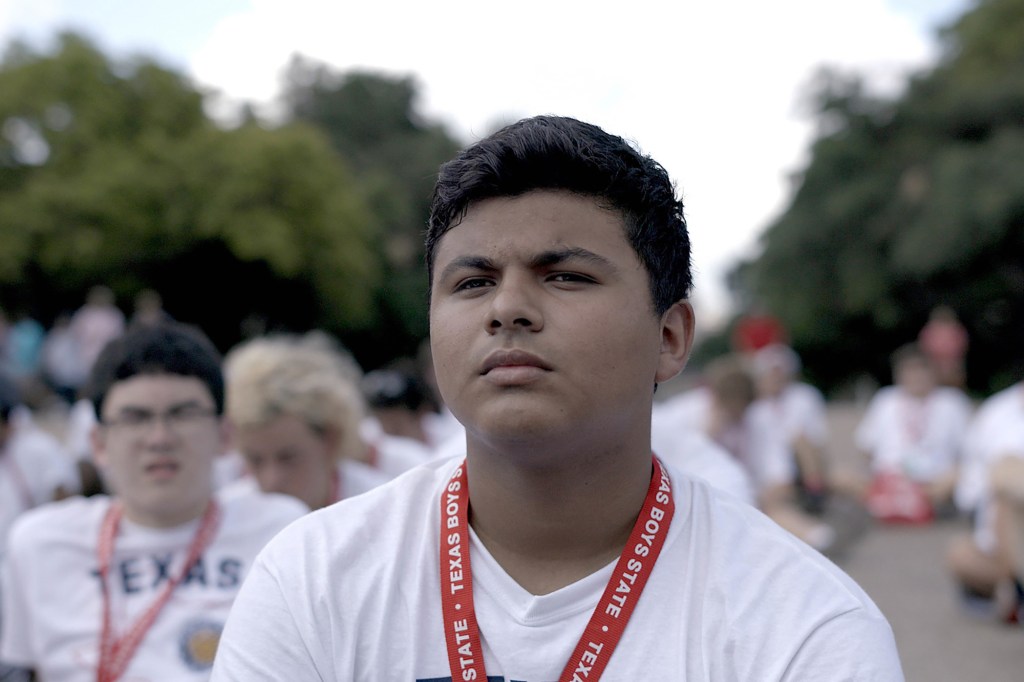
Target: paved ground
903 570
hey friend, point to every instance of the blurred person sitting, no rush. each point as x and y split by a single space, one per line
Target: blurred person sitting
796 411
138 585
722 411
149 309
62 366
96 323
1008 496
34 468
989 489
944 340
22 352
296 411
756 329
913 433
695 454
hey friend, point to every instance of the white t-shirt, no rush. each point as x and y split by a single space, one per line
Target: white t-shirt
997 430
394 455
52 601
921 438
798 410
352 592
32 466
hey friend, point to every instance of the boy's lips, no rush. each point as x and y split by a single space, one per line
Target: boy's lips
512 358
162 468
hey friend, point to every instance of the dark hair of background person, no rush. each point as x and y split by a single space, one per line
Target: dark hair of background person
166 348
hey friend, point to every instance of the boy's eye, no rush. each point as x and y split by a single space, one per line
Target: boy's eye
474 283
569 277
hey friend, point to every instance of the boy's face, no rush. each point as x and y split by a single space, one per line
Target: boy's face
542 324
156 441
916 376
286 455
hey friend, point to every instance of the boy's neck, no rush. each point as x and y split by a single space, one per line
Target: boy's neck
164 520
549 526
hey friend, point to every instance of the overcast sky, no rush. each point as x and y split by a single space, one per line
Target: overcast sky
712 90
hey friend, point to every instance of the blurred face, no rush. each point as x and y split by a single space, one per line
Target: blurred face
287 455
916 377
772 381
541 322
156 442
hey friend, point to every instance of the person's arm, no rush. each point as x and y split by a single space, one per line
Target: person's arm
263 638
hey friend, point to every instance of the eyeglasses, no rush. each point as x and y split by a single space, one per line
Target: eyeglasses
179 419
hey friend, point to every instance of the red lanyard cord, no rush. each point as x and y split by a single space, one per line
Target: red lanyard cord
117 652
608 622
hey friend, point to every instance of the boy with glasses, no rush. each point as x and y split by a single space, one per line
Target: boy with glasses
138 585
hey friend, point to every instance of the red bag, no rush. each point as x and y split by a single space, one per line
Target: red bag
894 498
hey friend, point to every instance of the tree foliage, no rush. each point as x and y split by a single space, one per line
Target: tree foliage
373 123
906 204
111 172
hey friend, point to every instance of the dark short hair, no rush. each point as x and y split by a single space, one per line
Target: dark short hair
165 348
388 388
561 153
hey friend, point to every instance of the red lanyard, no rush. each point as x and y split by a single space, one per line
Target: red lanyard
603 632
115 653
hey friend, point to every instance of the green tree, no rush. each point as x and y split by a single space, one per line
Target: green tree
394 152
111 172
907 204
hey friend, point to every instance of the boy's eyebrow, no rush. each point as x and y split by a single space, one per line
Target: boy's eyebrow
467 262
541 260
146 409
556 256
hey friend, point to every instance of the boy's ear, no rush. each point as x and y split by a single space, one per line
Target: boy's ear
677 325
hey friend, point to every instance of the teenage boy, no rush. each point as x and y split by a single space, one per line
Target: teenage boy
559 269
138 585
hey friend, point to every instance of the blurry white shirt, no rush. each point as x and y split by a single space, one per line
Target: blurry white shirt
53 600
392 455
696 455
799 410
996 431
32 466
765 459
921 438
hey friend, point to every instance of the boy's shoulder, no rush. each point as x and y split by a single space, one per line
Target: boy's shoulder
248 510
745 551
75 518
